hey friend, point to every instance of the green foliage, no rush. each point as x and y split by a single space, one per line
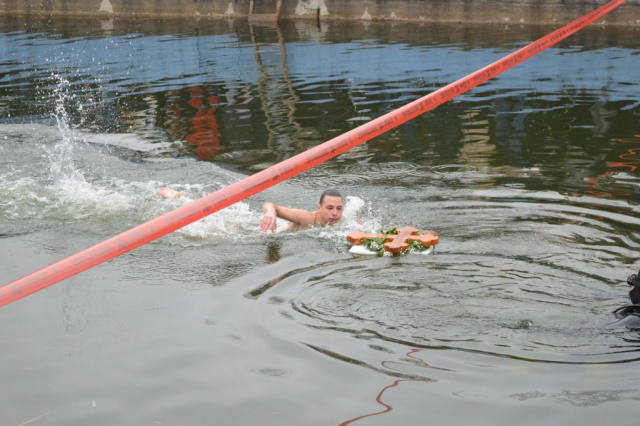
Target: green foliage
374 244
416 246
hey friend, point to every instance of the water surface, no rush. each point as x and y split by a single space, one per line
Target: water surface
531 181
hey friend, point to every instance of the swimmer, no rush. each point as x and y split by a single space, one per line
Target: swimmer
329 211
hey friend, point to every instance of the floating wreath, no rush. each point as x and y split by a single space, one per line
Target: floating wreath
377 244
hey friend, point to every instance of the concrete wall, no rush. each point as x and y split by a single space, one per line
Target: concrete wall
463 11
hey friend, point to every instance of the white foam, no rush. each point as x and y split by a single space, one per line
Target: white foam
236 221
90 199
123 140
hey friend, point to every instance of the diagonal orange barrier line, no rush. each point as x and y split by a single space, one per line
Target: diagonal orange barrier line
189 213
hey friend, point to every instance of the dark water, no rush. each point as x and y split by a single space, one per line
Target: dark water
531 181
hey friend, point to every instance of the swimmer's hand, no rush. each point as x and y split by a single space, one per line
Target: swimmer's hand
170 193
269 219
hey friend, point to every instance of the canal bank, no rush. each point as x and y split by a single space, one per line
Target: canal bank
458 11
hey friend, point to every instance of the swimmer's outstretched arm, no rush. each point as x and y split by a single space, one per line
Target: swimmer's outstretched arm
272 211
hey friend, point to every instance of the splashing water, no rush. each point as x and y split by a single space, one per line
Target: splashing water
62 167
69 184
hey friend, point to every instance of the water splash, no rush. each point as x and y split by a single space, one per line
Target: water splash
61 157
237 222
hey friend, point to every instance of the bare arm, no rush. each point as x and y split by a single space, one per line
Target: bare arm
297 217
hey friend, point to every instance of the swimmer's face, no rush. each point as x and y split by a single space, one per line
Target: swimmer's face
331 209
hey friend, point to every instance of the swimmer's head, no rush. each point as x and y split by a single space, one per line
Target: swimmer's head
331 206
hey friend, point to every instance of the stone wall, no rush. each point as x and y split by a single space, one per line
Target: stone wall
462 11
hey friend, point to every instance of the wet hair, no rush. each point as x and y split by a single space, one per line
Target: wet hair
329 193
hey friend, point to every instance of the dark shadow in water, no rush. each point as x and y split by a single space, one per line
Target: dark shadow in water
273 252
254 294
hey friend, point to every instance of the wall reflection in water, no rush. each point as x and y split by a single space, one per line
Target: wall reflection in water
249 96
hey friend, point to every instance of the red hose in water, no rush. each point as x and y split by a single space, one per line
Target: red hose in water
189 213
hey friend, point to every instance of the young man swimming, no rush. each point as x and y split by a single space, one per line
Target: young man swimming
329 211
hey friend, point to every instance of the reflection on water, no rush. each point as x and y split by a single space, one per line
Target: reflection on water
531 181
393 366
